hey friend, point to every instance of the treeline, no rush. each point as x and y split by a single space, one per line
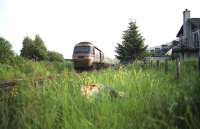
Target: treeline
33 49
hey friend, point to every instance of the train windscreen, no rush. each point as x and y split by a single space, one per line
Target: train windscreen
82 49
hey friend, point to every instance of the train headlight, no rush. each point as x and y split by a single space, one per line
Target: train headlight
89 57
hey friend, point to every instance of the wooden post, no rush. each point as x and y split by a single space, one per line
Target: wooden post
166 65
199 51
157 63
199 58
178 68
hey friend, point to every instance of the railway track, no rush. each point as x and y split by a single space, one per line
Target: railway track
5 85
9 84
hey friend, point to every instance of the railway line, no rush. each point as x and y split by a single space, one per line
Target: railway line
6 85
9 84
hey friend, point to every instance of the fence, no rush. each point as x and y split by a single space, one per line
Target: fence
155 62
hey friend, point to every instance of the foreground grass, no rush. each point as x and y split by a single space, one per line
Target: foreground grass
156 101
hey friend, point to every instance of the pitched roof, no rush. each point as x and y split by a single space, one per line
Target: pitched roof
180 32
195 22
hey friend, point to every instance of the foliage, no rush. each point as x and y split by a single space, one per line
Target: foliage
6 54
55 56
24 68
34 49
27 48
132 46
147 53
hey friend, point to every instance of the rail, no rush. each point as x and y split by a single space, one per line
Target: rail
9 84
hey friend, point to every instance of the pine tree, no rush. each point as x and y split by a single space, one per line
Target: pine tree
132 46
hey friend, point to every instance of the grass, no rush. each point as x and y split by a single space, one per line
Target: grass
156 101
31 69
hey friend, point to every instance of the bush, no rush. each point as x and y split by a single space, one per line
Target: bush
55 56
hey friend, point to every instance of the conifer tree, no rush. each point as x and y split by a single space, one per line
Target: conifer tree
132 46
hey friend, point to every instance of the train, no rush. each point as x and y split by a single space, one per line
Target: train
87 56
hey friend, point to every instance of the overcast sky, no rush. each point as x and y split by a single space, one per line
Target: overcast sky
63 23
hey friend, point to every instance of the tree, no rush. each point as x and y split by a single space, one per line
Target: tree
132 46
55 56
27 49
40 49
34 49
6 53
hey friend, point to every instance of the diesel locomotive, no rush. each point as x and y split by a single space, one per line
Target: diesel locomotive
88 56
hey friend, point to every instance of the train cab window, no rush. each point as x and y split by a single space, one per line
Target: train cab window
82 49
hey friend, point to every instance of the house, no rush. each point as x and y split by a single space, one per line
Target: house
157 50
188 36
164 47
154 51
160 50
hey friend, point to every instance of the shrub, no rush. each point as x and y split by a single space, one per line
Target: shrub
55 56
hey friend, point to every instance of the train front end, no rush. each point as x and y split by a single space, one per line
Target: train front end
83 56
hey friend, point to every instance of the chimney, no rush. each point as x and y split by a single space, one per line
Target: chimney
186 15
187 27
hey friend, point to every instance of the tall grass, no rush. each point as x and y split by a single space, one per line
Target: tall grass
28 68
155 101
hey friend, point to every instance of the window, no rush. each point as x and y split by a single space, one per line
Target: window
82 49
196 40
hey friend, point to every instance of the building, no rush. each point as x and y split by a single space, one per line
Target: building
159 50
188 36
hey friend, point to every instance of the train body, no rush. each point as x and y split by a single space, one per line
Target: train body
86 55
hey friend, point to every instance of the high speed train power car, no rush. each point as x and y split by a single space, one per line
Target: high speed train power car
88 56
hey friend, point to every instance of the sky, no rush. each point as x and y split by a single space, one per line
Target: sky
63 23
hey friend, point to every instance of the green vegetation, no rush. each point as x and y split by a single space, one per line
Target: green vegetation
6 54
132 46
16 67
24 68
36 50
155 101
55 56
